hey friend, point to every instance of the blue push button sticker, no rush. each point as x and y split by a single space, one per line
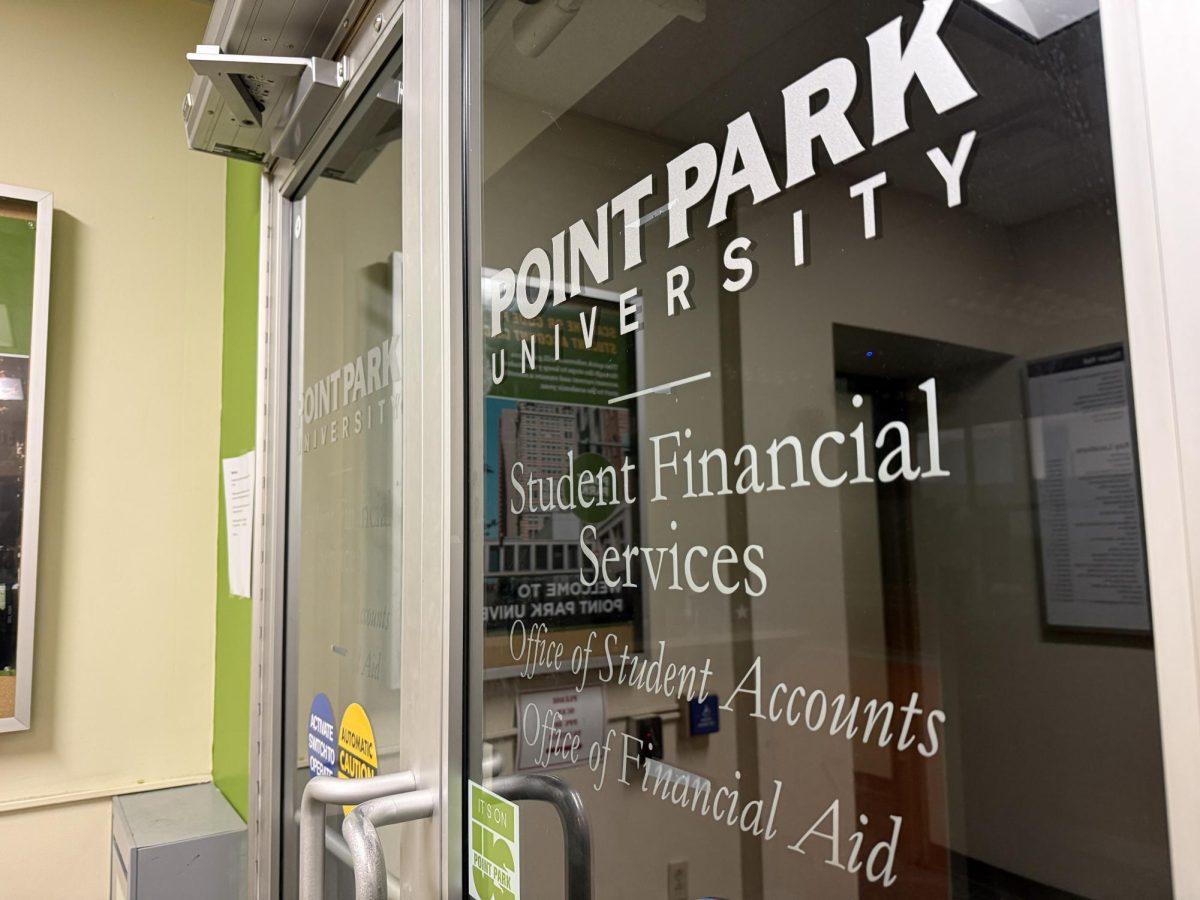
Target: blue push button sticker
322 738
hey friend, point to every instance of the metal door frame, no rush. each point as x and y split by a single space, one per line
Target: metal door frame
1147 65
427 35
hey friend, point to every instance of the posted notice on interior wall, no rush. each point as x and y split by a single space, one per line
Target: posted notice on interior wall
1088 496
238 472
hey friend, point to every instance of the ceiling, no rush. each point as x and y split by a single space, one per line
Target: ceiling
1041 114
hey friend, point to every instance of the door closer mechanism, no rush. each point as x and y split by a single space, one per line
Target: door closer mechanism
255 107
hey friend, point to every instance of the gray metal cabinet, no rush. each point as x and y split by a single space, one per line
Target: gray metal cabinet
184 843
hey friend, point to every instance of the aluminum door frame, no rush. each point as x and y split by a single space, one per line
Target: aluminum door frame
428 33
269 571
1148 64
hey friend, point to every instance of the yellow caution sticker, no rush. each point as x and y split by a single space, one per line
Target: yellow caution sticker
357 755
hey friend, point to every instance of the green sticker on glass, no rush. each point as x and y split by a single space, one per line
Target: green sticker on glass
495 846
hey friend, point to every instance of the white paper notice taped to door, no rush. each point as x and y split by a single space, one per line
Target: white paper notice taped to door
238 478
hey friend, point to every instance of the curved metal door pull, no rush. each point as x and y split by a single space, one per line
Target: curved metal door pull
341 851
362 837
577 832
406 804
323 790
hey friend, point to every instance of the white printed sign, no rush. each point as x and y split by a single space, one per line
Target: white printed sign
1088 497
238 476
556 728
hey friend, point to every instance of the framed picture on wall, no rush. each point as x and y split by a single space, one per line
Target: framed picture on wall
25 226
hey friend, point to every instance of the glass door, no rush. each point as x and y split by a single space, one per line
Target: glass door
808 531
354 608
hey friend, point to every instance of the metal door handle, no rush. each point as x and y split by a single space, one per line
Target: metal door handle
337 846
406 804
362 837
321 791
577 832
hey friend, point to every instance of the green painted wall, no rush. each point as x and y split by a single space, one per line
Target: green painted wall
231 694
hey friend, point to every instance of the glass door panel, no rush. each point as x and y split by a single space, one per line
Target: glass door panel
809 507
344 705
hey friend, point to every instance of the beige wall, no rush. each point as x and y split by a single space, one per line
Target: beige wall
122 696
42 834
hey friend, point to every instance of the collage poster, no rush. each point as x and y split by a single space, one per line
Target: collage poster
550 433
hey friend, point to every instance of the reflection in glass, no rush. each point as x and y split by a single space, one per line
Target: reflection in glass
884 502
